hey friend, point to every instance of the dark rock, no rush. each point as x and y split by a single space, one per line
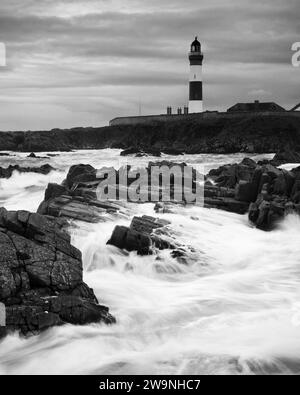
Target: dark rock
3 332
146 224
271 192
80 173
249 163
230 175
140 236
172 151
130 151
34 156
77 208
266 214
227 204
287 155
220 133
141 152
7 173
245 192
276 197
54 190
76 198
41 275
130 240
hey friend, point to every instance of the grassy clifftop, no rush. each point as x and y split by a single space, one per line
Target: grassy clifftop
221 135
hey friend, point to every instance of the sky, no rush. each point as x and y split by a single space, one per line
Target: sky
81 63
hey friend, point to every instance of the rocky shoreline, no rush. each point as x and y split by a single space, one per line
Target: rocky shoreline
221 135
8 172
41 281
261 189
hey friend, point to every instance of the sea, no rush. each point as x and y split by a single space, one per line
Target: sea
233 307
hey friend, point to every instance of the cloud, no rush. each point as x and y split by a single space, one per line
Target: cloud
108 53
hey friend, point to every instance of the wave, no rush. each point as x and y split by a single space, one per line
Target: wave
233 308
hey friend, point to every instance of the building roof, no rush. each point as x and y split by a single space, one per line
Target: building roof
256 107
196 45
196 42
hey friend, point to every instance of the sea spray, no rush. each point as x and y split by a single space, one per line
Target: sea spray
231 310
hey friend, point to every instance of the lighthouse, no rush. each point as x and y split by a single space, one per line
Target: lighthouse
196 59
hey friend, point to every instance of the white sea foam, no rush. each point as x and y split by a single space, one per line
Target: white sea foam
232 310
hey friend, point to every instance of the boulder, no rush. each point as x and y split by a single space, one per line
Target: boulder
32 155
271 192
80 173
130 240
230 175
41 281
76 198
266 214
140 236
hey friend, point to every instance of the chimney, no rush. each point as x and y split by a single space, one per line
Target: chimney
169 110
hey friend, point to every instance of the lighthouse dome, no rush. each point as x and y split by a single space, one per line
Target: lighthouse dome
196 46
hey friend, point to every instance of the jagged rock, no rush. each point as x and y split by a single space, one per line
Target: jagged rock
231 188
266 214
41 281
287 155
271 192
7 173
55 190
76 198
130 151
80 173
276 197
77 208
147 224
130 240
230 175
140 236
34 156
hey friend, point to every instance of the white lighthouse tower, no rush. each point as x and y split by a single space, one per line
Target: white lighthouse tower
196 59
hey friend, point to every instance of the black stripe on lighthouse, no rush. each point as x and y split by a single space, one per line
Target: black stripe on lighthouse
195 90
